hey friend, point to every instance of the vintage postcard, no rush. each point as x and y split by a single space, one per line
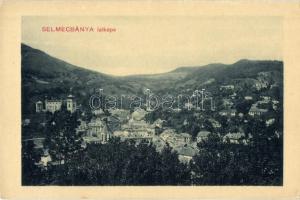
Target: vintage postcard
149 100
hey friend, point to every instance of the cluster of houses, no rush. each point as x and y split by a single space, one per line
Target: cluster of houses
132 126
257 109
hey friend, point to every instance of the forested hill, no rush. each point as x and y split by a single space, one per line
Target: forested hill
44 75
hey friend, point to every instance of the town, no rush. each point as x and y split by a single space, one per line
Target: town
139 125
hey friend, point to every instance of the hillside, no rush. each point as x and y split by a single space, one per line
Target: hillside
44 75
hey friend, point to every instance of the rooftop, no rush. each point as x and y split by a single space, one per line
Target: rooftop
203 134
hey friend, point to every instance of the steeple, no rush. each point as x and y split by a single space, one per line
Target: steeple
71 103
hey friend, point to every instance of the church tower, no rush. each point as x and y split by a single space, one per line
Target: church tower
71 104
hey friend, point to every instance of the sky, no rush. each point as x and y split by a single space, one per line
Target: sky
157 44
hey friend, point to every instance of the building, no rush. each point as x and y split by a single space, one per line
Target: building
275 104
71 103
98 112
227 87
255 111
137 125
82 128
185 153
202 135
138 114
53 105
45 159
138 137
228 112
26 122
121 114
235 138
184 138
39 107
248 98
174 139
97 130
167 134
269 122
266 98
121 134
56 104
158 123
215 123
227 103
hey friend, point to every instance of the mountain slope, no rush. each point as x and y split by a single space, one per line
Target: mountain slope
44 75
225 74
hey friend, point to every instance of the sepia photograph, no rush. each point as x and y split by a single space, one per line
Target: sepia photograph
152 101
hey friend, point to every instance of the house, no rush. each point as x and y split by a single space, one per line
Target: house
202 135
233 95
176 109
227 87
45 158
98 112
227 103
138 114
248 98
215 123
39 107
228 112
255 111
265 98
275 104
82 128
184 138
121 114
137 128
121 134
158 143
168 133
138 137
269 122
170 136
174 138
235 137
158 123
26 122
260 85
185 153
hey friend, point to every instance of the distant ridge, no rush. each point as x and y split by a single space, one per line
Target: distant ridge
43 75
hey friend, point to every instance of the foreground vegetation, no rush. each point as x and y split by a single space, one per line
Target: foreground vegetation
126 163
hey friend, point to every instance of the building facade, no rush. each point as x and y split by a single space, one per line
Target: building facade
56 104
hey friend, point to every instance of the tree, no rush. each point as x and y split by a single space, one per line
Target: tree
173 172
30 171
62 140
243 107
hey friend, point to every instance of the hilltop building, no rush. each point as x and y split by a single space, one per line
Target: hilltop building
56 104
